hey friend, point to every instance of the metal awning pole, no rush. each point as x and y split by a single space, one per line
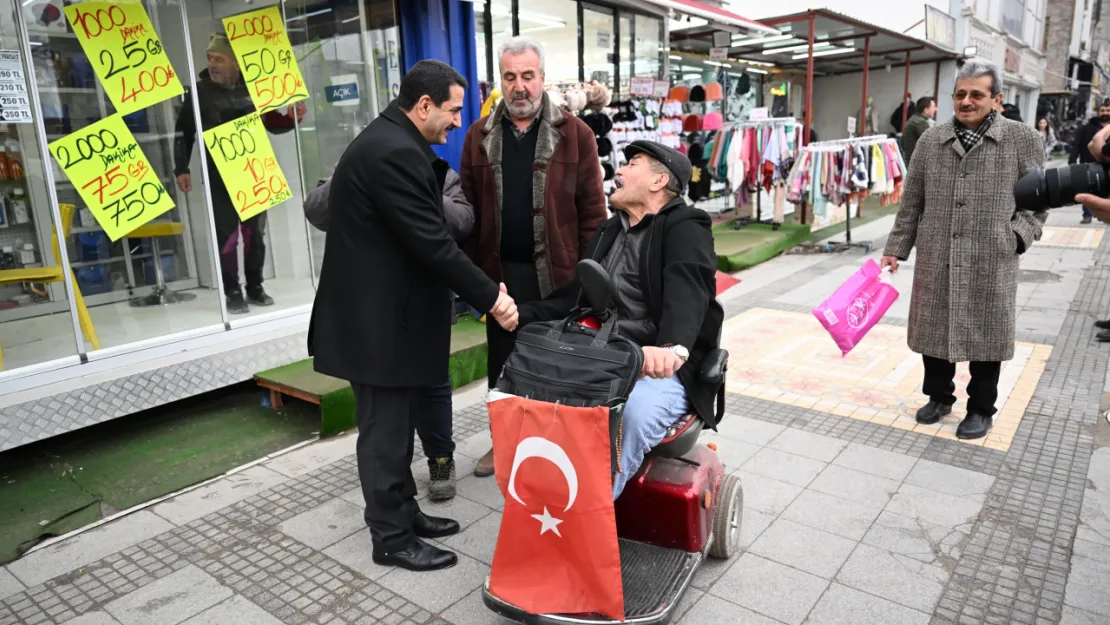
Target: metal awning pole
809 97
866 71
905 90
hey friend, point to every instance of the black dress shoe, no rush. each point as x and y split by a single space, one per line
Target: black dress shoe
426 526
1103 324
933 412
1103 336
420 556
974 426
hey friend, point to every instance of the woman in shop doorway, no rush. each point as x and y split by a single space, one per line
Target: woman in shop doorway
1048 136
223 96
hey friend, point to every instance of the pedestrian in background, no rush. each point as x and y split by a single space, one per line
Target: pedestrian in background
958 211
382 317
1048 136
1079 151
531 171
924 111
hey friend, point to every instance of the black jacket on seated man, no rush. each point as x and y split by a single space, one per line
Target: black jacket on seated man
678 276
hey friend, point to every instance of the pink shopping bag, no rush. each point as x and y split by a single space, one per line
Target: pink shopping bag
857 305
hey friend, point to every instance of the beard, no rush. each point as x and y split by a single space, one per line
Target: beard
525 107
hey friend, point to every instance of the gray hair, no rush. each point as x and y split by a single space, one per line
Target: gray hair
978 69
520 45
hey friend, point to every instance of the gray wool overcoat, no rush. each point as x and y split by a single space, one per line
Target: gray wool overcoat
958 210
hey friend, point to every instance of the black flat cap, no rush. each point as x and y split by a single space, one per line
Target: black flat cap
673 159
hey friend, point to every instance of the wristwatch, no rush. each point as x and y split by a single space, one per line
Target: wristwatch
680 351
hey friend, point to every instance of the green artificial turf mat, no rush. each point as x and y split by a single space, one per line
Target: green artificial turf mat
754 244
39 500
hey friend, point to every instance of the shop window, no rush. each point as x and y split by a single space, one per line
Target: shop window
648 47
599 44
625 53
555 23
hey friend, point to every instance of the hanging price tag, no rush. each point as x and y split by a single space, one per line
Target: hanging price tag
126 53
246 161
112 175
265 55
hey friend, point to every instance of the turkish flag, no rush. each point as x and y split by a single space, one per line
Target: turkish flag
557 550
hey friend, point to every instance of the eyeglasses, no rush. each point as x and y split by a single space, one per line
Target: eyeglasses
977 96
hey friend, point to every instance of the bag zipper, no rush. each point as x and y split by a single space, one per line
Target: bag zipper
589 388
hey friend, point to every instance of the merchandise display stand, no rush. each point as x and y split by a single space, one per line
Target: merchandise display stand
740 222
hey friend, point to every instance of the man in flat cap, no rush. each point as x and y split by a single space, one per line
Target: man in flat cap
659 254
223 97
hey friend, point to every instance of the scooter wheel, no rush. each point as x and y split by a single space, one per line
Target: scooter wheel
727 518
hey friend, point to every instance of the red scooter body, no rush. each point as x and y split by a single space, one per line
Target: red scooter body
669 503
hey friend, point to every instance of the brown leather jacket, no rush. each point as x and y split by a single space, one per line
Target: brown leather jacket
566 175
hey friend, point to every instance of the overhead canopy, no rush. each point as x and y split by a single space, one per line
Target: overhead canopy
838 44
715 15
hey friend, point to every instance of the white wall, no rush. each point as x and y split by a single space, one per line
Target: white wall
835 98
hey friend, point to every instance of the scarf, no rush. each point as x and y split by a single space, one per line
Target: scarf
969 138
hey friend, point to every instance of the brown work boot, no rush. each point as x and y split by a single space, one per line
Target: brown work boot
484 468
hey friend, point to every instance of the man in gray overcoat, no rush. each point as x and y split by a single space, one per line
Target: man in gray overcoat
958 210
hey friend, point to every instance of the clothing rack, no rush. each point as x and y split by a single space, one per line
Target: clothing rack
740 222
835 145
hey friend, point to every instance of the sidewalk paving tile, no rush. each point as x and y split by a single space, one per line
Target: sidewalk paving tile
449 585
459 508
326 525
733 453
752 526
169 600
842 605
784 466
767 494
196 503
807 549
948 479
471 611
1075 616
478 540
356 553
1087 586
9 585
870 490
483 490
93 618
234 611
1093 551
844 518
712 610
900 579
771 589
87 547
885 464
474 446
814 446
935 507
311 457
918 539
751 431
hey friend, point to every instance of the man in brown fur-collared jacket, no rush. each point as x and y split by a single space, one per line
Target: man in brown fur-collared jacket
958 210
532 173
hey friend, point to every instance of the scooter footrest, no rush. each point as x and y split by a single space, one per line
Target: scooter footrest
654 577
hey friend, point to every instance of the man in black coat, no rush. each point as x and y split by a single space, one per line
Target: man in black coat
659 254
382 317
1086 134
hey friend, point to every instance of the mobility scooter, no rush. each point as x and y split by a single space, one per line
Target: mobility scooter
678 509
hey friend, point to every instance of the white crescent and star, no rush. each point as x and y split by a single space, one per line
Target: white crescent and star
539 447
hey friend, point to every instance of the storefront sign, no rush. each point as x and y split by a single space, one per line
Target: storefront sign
126 53
758 114
343 90
721 39
853 125
1013 61
265 55
940 27
246 162
15 105
662 88
112 175
718 54
642 85
604 40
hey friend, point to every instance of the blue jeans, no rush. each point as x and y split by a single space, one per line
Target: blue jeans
1086 213
433 423
653 406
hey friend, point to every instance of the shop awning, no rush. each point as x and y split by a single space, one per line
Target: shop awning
713 14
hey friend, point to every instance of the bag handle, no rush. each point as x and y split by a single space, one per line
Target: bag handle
602 338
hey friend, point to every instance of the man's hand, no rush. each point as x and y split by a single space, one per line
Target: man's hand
889 261
1099 207
504 310
1095 146
297 110
660 363
185 183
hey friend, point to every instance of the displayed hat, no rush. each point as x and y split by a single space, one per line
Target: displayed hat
744 85
712 121
607 168
713 92
692 123
577 100
697 94
604 147
598 95
670 157
679 93
599 123
556 97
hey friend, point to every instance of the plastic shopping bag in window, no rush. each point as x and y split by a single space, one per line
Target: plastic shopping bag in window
856 306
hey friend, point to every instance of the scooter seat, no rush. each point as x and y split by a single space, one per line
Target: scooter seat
680 439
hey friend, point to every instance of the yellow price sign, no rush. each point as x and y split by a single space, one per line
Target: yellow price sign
112 175
126 53
246 161
266 58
